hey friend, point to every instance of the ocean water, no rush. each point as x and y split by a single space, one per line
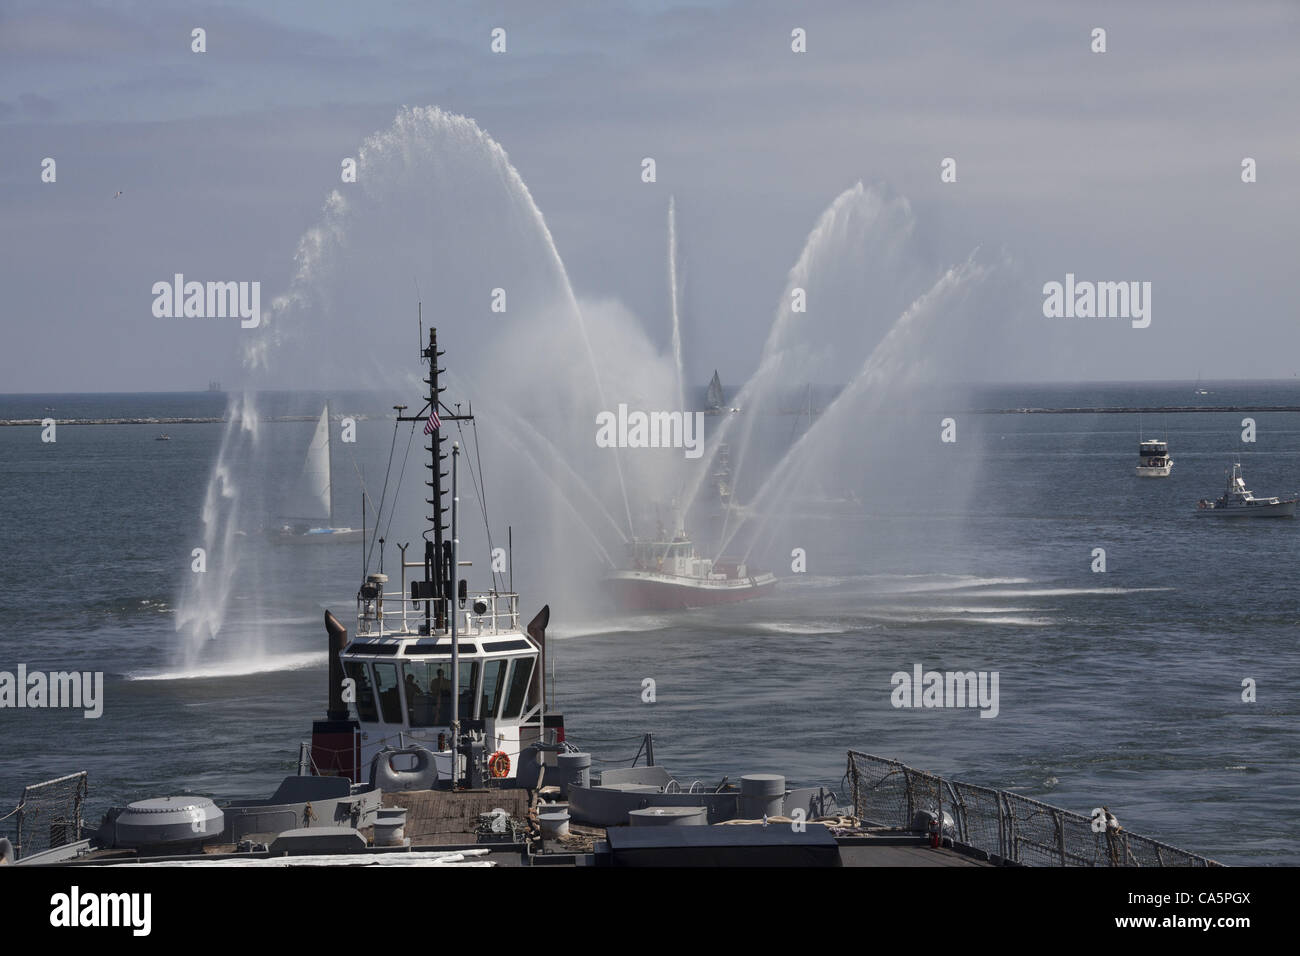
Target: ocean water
1122 687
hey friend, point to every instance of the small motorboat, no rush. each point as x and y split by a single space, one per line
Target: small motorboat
1154 460
1238 502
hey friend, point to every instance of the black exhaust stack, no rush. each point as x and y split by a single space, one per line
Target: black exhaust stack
338 639
554 723
336 740
537 631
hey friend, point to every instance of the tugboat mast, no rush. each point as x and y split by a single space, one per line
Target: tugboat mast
451 596
439 569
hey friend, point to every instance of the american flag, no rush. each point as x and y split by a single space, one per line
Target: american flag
433 424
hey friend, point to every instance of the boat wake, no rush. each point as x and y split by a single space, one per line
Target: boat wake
944 618
958 610
914 583
622 625
827 627
1066 592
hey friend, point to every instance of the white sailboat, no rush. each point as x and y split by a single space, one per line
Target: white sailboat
316 492
715 398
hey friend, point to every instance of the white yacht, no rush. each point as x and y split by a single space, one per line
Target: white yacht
1154 460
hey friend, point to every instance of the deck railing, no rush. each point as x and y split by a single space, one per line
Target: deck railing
1007 825
49 814
399 613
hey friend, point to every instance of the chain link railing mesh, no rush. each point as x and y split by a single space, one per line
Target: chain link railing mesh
49 814
1017 829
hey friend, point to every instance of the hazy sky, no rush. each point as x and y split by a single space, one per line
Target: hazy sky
1123 165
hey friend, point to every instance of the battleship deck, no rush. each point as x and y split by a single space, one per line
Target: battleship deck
916 855
441 817
894 850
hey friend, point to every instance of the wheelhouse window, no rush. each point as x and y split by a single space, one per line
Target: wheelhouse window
433 697
390 699
365 703
494 682
423 682
468 688
520 676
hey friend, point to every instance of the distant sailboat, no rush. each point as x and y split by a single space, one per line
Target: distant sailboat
715 398
316 492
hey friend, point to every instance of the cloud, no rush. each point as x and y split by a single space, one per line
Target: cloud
1120 165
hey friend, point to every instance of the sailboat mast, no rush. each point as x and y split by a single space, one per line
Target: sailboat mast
329 460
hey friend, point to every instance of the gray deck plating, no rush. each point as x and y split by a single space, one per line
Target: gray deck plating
440 817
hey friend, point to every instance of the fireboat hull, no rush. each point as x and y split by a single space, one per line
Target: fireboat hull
651 591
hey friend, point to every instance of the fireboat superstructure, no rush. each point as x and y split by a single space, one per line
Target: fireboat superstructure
433 668
666 574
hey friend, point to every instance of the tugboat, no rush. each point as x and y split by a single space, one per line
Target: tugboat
1154 460
444 683
667 575
1237 502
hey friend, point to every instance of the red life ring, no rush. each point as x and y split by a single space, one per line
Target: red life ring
499 764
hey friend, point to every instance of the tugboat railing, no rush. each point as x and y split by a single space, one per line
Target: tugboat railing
500 614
